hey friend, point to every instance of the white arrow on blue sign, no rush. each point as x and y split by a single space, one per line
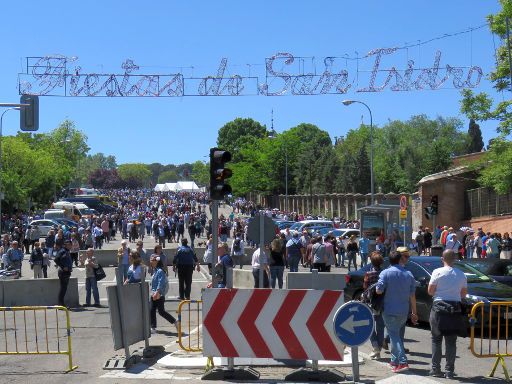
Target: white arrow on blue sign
353 323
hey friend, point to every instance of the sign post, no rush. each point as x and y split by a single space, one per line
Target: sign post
353 325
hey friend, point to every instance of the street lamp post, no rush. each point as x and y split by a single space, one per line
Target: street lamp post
1 186
372 189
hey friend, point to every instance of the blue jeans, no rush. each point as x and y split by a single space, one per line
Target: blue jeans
124 270
469 252
394 324
377 337
293 262
364 258
341 257
91 283
276 272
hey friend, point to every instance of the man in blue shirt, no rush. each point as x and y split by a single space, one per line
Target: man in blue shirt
65 264
184 262
399 287
364 246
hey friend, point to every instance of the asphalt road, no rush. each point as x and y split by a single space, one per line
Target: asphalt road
93 346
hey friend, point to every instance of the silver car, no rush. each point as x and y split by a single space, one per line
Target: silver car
44 226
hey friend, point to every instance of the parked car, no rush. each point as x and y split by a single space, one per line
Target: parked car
307 224
480 286
283 224
499 269
343 232
44 225
67 222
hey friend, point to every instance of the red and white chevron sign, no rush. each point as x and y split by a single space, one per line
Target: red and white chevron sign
266 323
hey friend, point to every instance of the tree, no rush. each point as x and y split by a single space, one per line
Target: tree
168 177
105 179
238 133
201 173
476 143
134 175
481 107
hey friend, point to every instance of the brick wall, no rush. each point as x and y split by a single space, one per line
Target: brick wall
493 224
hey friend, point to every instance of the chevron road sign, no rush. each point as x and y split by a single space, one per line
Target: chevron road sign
266 323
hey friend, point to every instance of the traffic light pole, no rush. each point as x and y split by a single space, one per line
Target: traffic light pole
434 228
215 231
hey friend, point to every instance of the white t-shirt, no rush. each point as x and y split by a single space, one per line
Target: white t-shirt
449 281
256 258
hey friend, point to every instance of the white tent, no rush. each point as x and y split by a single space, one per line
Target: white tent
158 187
170 187
187 186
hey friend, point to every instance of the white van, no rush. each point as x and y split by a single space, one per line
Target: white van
73 211
57 214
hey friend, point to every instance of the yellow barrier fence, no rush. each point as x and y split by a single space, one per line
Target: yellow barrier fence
36 331
189 324
490 332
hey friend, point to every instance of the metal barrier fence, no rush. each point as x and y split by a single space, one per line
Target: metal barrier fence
189 315
39 325
490 324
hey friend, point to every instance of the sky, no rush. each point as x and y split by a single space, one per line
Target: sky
164 37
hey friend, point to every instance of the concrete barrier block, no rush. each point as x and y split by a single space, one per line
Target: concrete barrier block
18 293
326 281
242 278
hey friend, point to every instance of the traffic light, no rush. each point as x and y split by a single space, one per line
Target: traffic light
219 174
429 213
434 204
29 116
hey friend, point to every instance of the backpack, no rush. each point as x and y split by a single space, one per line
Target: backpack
372 299
236 245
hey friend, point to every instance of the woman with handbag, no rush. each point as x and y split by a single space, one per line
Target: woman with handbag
159 288
90 279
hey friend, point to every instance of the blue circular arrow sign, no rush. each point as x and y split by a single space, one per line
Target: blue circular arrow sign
353 323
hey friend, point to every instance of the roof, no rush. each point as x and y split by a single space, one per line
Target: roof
445 174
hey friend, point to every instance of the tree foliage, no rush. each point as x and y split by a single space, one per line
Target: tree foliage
134 175
476 142
239 133
481 107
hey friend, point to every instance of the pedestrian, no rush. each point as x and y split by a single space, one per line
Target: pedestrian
364 246
256 265
123 258
75 248
352 250
448 286
159 288
493 247
46 259
15 256
36 260
506 246
90 279
208 254
371 277
294 252
225 262
427 241
238 250
184 263
142 252
398 287
454 244
65 264
341 252
319 254
135 271
158 251
276 263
